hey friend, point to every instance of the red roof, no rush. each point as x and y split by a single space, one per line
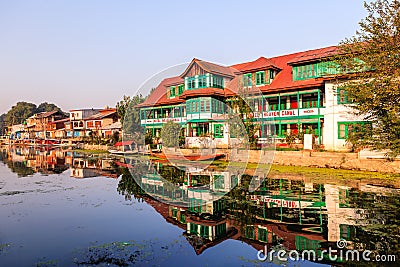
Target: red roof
102 114
259 64
124 143
159 95
211 68
314 55
283 80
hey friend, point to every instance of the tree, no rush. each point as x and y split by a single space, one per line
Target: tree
170 134
19 113
370 61
45 107
130 117
243 116
2 123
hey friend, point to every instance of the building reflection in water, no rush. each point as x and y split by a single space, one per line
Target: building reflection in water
211 204
294 212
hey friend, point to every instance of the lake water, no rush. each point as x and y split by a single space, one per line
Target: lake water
60 208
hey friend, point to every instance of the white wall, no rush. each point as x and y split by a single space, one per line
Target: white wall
335 113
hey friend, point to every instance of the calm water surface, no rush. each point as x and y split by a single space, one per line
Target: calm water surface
60 208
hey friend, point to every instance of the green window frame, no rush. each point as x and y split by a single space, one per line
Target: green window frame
249 232
343 97
193 228
218 130
344 128
202 81
262 234
172 91
191 83
260 78
182 218
217 81
220 230
204 231
247 79
181 88
219 182
174 213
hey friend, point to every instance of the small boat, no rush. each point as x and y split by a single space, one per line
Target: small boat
120 152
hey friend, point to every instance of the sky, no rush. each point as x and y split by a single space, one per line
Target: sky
84 54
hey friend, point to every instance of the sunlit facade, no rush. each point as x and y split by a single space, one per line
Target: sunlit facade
296 95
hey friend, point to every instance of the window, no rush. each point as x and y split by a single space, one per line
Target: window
202 106
218 81
249 233
183 218
220 230
263 234
177 112
172 91
181 88
219 181
247 79
202 81
234 180
191 83
310 101
273 103
174 213
271 75
218 130
204 231
342 97
260 77
193 228
345 128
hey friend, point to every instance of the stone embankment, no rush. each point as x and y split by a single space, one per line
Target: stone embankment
335 160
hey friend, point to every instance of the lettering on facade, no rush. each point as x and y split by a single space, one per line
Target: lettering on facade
281 202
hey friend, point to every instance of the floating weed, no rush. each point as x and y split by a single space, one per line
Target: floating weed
49 263
126 253
4 247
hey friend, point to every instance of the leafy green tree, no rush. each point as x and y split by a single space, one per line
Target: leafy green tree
2 123
243 116
45 107
170 134
371 63
130 117
19 113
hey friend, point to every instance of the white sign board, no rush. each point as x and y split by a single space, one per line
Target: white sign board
308 141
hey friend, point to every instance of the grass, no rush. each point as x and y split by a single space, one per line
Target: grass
312 172
91 151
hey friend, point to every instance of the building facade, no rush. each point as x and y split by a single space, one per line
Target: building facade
296 95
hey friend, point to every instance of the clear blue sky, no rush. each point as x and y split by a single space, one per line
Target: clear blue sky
80 54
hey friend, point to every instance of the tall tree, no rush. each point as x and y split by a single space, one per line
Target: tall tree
19 113
130 116
45 107
2 123
371 61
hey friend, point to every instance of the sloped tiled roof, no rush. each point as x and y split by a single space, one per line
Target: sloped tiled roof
314 55
258 64
283 80
211 68
102 114
159 95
